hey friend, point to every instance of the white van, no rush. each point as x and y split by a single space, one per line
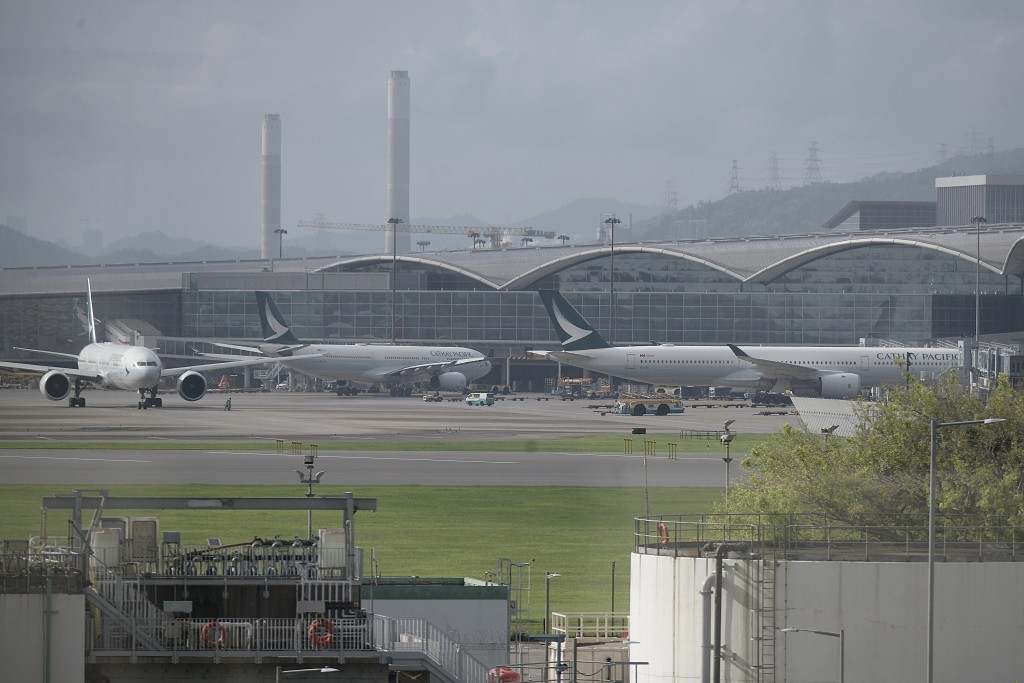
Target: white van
480 399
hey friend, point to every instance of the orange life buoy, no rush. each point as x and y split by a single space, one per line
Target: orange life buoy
321 632
213 634
662 533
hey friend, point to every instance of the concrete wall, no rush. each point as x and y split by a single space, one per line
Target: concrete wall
23 637
881 607
481 626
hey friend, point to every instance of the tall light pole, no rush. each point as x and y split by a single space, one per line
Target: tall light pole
394 269
547 598
611 221
936 426
840 634
727 440
280 232
978 220
309 480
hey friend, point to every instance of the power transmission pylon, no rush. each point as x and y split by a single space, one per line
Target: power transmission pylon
774 183
734 179
813 174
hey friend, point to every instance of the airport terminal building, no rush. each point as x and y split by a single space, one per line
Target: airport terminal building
910 285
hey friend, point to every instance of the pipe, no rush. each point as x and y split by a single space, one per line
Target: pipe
720 552
706 592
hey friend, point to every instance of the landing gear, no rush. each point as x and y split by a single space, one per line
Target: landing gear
77 401
151 401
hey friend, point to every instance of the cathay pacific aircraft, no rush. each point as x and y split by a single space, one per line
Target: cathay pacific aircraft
444 368
117 366
822 371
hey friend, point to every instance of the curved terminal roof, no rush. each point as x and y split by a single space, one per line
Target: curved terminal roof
757 260
748 259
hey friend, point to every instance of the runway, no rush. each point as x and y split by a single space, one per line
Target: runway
305 418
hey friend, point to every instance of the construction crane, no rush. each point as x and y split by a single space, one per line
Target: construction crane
480 236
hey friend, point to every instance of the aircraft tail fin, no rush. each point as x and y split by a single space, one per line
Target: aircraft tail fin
575 333
276 329
92 316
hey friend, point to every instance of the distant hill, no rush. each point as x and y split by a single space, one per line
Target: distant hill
18 250
755 212
805 209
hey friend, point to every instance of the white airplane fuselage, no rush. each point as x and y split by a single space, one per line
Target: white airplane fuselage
121 366
718 365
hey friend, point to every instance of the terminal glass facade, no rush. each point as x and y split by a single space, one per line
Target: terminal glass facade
888 292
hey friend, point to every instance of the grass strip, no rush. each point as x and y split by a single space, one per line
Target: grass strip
600 443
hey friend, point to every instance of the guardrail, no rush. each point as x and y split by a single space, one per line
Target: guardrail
241 639
803 536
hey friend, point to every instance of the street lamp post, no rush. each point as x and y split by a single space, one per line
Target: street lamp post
394 270
840 634
309 479
547 598
280 232
977 220
931 528
611 222
975 375
727 440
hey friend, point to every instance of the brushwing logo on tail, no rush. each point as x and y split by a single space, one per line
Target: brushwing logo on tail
575 333
278 328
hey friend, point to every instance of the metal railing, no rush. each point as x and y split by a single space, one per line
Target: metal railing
591 624
405 639
964 538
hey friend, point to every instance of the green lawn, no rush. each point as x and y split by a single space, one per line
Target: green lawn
432 531
600 443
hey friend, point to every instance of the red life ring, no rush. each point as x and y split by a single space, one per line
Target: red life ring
662 533
503 674
208 637
321 632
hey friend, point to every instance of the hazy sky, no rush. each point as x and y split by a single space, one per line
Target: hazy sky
141 115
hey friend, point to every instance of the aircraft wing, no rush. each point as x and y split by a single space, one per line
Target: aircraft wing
431 368
236 347
56 354
563 356
778 369
281 350
43 369
171 372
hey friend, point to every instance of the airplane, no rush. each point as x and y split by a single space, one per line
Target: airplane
114 365
820 371
444 368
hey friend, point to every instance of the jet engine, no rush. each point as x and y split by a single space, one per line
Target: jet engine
191 386
448 381
55 385
845 385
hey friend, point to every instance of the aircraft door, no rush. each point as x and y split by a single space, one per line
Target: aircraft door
631 361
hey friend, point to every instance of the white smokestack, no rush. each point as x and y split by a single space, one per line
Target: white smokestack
398 160
270 197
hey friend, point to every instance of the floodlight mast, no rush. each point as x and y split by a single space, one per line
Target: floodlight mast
309 479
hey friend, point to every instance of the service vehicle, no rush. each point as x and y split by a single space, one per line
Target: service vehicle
664 405
482 398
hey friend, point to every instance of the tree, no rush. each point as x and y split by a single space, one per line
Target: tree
880 476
